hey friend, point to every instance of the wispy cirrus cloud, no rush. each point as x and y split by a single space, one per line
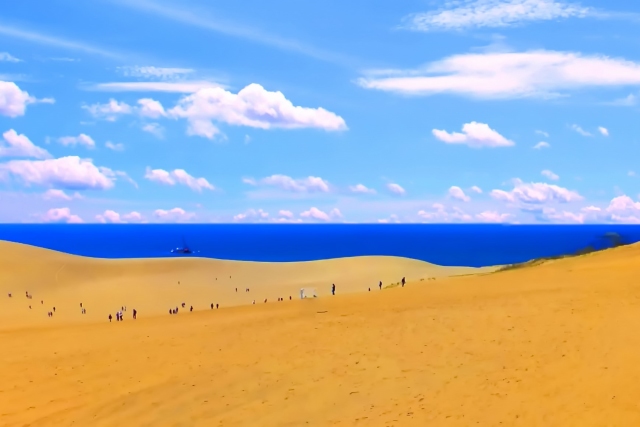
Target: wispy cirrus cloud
203 19
508 75
466 14
55 41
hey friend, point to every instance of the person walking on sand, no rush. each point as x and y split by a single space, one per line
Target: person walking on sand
403 282
191 309
380 285
135 314
211 306
110 318
333 289
217 306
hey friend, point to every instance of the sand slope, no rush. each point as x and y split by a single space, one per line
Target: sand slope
151 285
549 345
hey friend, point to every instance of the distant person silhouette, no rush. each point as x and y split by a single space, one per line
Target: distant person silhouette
135 314
380 285
211 306
110 318
403 282
333 289
216 306
191 309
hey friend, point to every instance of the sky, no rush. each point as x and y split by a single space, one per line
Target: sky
366 111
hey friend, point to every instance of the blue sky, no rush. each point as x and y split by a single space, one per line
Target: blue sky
519 111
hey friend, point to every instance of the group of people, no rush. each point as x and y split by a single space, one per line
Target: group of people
120 316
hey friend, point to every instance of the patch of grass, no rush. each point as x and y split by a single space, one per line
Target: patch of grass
542 260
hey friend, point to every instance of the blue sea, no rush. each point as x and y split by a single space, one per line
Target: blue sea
450 244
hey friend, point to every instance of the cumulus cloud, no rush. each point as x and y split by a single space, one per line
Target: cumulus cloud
361 189
543 133
173 215
54 194
251 214
503 75
14 101
629 101
311 184
603 131
316 214
474 135
580 130
18 145
550 175
439 213
109 111
182 86
61 215
154 129
252 106
114 146
110 216
151 108
285 214
69 172
493 216
396 189
459 15
457 193
476 189
536 193
178 176
541 145
82 139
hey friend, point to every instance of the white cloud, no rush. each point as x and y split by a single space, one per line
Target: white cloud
114 146
253 106
536 193
476 189
184 86
18 145
178 176
54 194
13 100
396 189
631 173
456 192
502 75
82 139
440 213
7 57
304 185
474 135
110 216
109 111
459 15
61 215
70 172
604 131
580 130
393 219
543 133
360 188
550 175
563 216
151 108
317 214
541 144
162 73
628 101
285 214
492 216
173 215
154 129
251 214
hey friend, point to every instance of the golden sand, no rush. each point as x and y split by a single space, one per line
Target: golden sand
556 344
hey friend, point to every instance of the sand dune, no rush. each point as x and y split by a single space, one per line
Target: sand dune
153 286
550 345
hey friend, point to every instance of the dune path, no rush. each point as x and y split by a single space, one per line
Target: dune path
550 345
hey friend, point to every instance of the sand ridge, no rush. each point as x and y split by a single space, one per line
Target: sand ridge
549 345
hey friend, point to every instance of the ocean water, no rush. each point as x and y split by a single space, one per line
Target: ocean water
449 244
